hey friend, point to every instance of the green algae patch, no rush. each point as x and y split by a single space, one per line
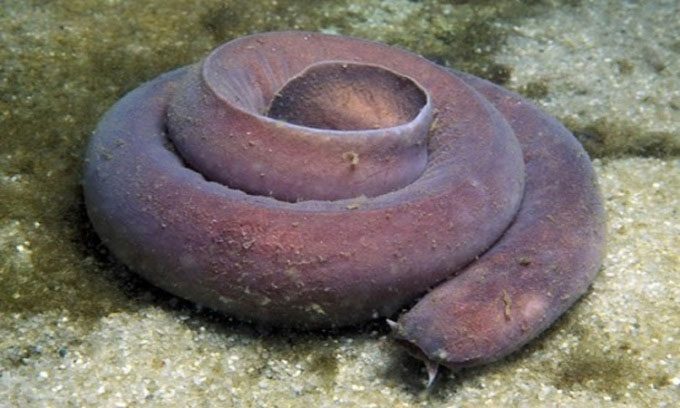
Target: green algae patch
224 21
606 138
535 89
610 372
324 364
461 35
618 93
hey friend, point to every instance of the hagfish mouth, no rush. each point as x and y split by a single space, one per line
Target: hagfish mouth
307 180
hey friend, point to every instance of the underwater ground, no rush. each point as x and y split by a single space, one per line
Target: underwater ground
78 329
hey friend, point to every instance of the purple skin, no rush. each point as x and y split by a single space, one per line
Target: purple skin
294 225
351 129
543 263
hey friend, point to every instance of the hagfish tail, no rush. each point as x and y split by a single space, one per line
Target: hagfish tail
307 180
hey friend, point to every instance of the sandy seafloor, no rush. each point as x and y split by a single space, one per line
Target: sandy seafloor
77 329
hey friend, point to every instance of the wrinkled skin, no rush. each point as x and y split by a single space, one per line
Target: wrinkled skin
191 185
